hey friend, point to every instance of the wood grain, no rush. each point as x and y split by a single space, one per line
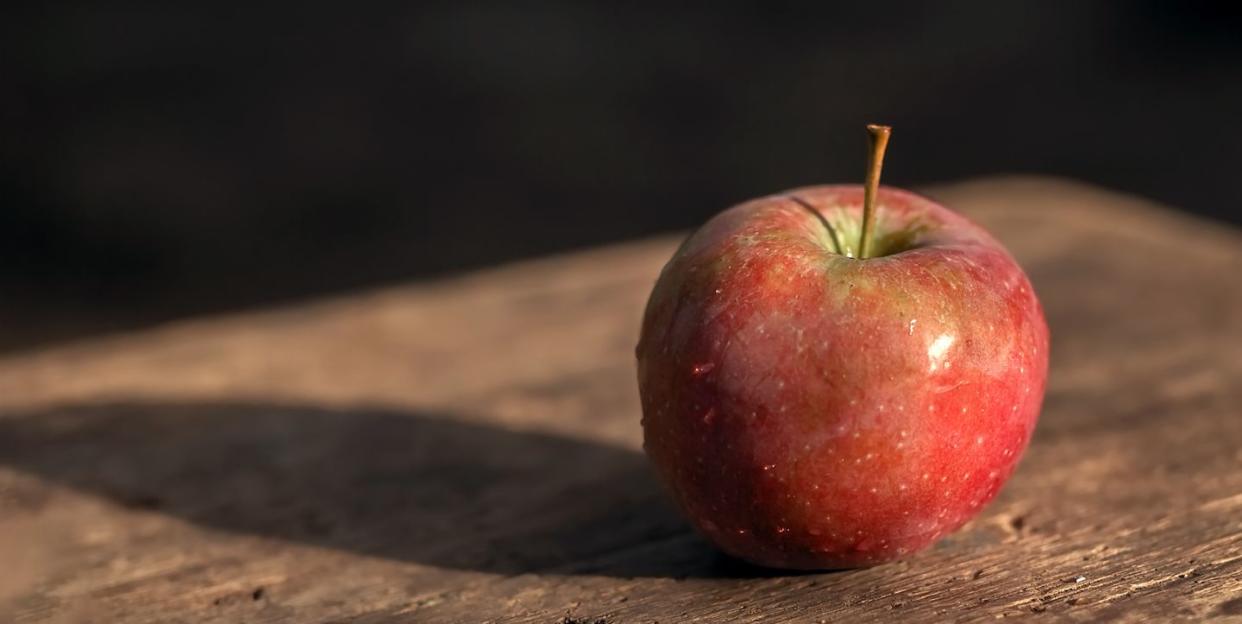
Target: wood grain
468 450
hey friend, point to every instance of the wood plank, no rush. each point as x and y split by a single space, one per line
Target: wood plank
468 450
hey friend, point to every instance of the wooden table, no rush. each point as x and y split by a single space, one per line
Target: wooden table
468 450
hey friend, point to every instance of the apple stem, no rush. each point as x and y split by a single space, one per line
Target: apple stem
875 163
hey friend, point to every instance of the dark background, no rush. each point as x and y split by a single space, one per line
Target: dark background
176 159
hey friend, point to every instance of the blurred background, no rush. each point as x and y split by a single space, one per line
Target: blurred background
173 159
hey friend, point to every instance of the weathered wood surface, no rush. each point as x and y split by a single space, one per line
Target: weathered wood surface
468 450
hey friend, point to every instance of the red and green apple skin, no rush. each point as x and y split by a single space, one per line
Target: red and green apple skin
810 410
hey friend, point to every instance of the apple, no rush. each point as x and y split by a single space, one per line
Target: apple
837 376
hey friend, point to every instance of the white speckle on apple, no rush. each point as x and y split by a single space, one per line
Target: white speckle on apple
937 349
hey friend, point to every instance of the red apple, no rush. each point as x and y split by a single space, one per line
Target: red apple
812 407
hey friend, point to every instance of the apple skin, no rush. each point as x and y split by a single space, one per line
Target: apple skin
810 410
